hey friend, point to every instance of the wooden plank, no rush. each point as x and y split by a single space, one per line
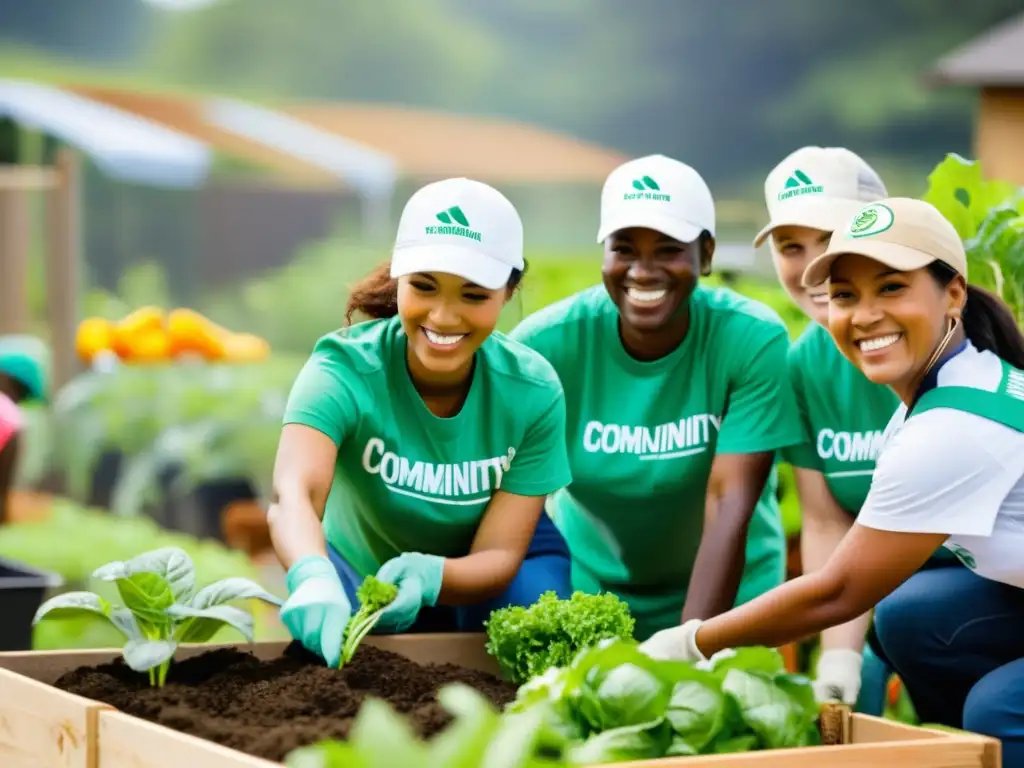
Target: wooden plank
42 727
464 649
127 742
27 177
954 752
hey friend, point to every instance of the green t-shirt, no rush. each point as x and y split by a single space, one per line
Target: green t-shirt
844 416
642 437
407 480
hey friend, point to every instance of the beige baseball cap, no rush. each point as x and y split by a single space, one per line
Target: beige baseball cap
818 187
900 232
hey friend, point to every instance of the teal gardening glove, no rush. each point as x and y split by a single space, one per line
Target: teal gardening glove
418 578
317 609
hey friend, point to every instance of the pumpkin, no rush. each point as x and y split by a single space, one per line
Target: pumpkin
95 335
191 332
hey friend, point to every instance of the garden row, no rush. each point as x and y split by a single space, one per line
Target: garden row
561 683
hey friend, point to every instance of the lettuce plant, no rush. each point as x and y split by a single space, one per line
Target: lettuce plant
478 737
161 607
527 641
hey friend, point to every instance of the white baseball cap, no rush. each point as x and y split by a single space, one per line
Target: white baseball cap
462 227
818 187
658 193
900 232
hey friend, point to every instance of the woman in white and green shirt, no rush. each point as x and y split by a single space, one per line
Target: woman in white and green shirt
950 473
420 445
809 194
677 401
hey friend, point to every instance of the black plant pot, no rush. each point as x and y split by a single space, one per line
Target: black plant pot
105 477
22 591
201 513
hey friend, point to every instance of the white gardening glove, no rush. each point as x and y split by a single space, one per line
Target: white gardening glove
675 643
837 677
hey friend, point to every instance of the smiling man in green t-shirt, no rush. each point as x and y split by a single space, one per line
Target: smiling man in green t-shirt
677 399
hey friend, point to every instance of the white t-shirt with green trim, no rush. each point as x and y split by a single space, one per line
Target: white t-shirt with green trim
950 470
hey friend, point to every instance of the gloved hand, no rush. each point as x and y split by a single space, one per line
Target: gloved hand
837 676
675 643
317 609
418 578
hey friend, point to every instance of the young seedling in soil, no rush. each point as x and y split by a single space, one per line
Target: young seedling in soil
374 596
162 608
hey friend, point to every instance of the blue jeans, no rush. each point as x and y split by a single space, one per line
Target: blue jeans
546 567
875 674
957 642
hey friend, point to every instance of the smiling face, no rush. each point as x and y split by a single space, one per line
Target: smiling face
793 248
446 318
889 323
650 276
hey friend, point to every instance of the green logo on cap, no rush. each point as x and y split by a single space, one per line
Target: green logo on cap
964 556
454 222
799 184
647 189
872 220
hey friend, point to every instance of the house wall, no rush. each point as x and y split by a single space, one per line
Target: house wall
999 137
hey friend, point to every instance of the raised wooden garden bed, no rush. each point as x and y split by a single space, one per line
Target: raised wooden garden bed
42 726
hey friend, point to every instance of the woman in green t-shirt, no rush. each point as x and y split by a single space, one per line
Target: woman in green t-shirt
810 194
677 401
420 445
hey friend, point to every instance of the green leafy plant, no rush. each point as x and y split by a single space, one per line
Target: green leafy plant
162 608
374 596
614 703
989 217
527 641
477 737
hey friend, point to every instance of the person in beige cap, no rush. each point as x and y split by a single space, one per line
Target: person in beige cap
809 194
950 474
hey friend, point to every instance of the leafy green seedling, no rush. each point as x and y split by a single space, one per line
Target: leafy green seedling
374 596
162 608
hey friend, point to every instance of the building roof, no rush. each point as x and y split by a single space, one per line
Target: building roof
187 114
123 145
428 144
995 58
421 144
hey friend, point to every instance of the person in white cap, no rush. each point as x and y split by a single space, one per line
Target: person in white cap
419 445
809 194
950 473
677 402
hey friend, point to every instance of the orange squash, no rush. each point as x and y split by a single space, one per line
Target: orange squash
245 348
150 346
191 332
143 320
94 335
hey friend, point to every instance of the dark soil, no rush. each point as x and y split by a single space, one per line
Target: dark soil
268 708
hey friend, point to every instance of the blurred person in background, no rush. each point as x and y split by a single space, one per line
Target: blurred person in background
419 446
677 401
22 380
810 194
950 473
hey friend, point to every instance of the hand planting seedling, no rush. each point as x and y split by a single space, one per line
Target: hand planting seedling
374 596
162 608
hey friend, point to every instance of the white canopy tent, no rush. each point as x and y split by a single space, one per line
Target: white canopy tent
124 146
